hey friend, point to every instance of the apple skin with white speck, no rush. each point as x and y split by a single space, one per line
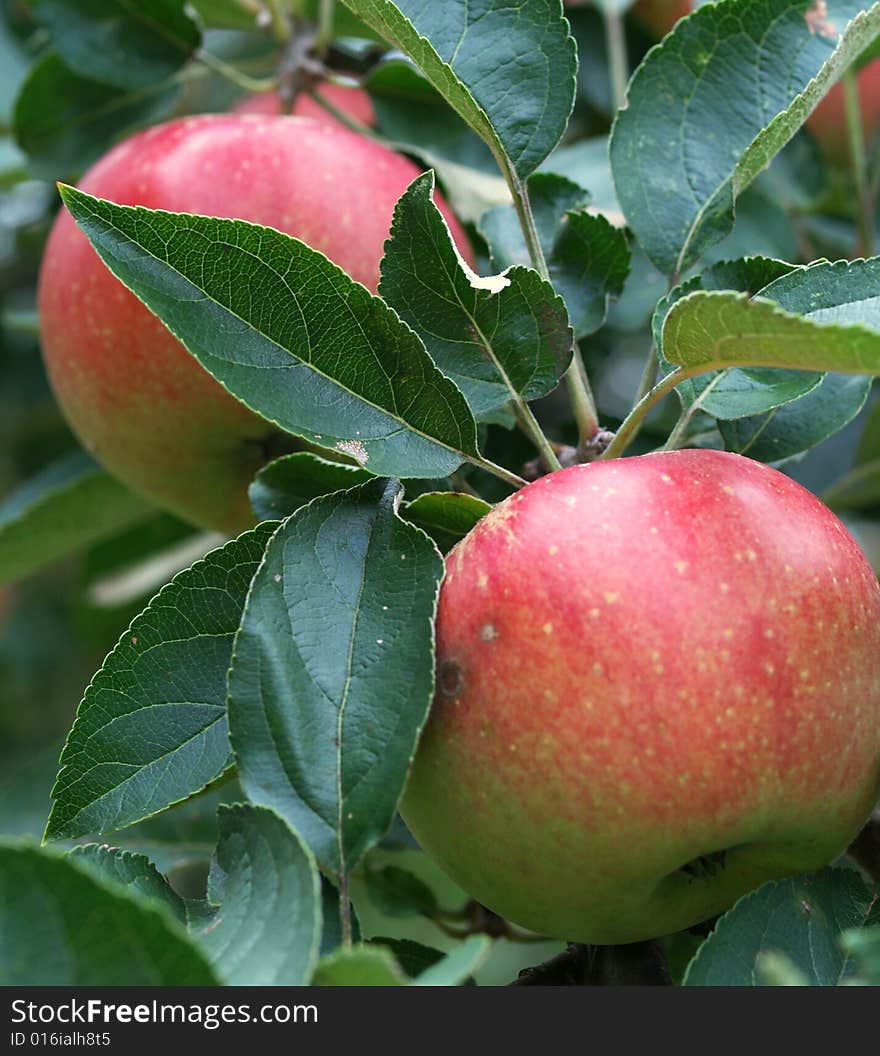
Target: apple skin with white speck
658 686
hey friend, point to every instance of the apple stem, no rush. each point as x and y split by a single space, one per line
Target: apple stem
636 417
856 135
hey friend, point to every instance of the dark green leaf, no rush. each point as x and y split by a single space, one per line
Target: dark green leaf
496 338
589 264
63 121
69 505
412 957
290 334
397 893
801 918
126 43
263 925
447 516
508 70
333 671
801 424
587 257
709 108
63 926
551 197
458 965
292 481
151 729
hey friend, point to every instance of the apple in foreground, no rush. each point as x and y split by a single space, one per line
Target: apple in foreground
658 686
134 396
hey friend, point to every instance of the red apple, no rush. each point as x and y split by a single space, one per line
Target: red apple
658 687
827 123
137 400
352 101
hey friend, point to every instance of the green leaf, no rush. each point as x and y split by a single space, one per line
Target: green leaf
739 391
840 301
63 926
129 45
447 516
63 121
801 424
713 330
281 487
588 266
587 256
551 197
398 893
507 69
801 918
289 333
458 965
413 957
263 925
711 105
66 507
496 338
151 729
332 672
133 871
859 489
359 966
333 669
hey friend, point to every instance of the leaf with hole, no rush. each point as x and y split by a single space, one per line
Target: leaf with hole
499 338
